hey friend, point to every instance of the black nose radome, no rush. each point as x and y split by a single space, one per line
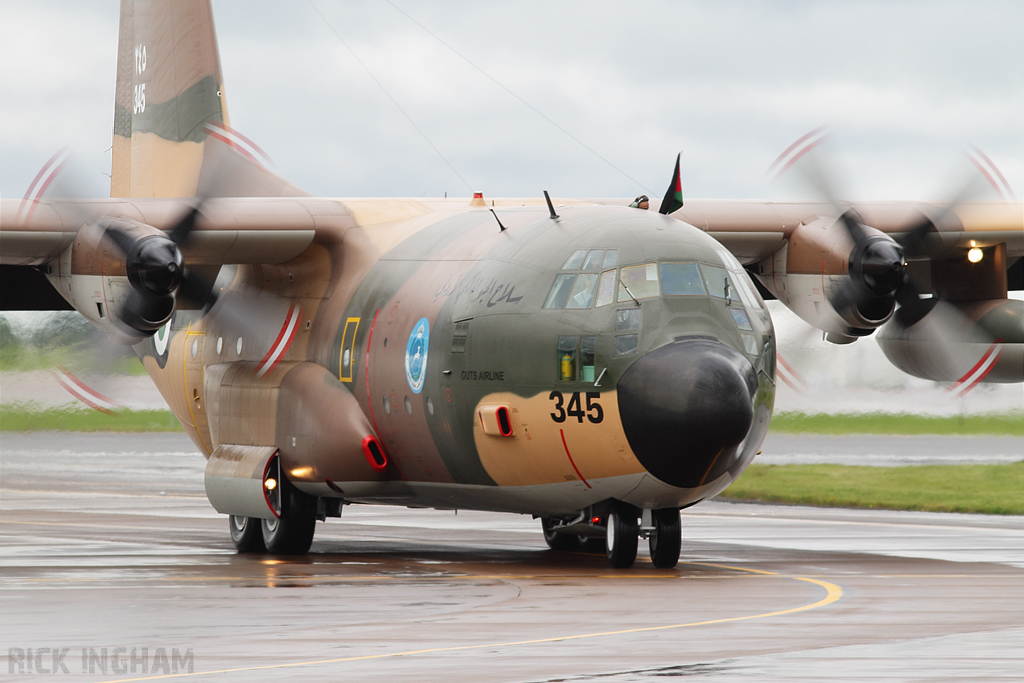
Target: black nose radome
685 407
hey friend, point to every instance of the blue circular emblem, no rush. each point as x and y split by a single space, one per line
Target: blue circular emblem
416 355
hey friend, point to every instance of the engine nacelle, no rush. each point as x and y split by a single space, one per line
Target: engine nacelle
812 270
963 341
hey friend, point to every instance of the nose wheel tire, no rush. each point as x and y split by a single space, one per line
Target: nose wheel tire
623 536
246 534
292 532
666 539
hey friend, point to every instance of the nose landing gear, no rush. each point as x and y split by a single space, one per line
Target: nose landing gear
624 526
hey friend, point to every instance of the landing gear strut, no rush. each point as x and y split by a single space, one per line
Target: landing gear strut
555 540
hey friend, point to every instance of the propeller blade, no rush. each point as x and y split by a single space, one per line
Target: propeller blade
197 289
180 232
120 239
914 239
853 226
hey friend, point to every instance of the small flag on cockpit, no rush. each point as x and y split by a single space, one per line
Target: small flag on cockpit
674 197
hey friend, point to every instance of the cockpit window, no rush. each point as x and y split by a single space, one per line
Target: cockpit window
576 260
606 288
560 291
583 293
593 262
638 282
627 319
718 282
743 285
681 279
740 316
611 258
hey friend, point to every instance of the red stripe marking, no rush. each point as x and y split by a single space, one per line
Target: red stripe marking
266 493
796 144
241 137
571 461
787 382
287 345
35 181
42 190
982 376
82 392
995 168
87 389
232 144
783 363
800 156
989 178
280 336
977 365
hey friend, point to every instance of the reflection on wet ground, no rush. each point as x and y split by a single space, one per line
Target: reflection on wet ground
108 542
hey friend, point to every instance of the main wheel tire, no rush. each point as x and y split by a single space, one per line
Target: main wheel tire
666 539
246 534
555 540
623 536
292 532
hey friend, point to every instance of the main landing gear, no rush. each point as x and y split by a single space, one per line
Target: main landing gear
289 534
623 527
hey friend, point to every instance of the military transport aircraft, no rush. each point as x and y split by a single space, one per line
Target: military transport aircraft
599 367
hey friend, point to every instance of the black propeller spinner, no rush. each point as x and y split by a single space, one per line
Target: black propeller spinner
878 270
157 272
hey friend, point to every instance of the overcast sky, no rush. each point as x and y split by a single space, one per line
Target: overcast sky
904 86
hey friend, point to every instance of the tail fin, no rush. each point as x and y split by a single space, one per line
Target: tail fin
168 100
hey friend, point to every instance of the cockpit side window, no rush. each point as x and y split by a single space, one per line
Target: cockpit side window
593 262
583 293
718 282
576 260
576 291
560 291
606 289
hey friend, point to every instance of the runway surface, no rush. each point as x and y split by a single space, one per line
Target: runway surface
108 542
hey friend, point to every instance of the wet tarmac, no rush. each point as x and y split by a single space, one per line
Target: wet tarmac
109 547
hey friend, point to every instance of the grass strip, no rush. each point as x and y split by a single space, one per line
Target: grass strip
986 489
999 424
31 418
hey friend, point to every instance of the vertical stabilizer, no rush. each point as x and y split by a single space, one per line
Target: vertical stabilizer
171 131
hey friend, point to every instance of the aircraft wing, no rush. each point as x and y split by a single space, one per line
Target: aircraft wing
754 230
237 231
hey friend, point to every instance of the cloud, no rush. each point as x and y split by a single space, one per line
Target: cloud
905 85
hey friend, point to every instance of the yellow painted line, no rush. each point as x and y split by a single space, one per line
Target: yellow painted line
833 593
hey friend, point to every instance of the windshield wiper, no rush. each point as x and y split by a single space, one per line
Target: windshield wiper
629 292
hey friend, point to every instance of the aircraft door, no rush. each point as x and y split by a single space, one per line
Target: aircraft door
194 343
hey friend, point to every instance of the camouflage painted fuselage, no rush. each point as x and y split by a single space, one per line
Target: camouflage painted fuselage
417 330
